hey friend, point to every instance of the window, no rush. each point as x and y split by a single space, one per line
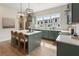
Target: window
49 21
55 15
39 18
46 17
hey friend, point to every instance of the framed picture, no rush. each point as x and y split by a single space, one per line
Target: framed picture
8 22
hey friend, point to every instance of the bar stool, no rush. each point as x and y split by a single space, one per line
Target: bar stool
22 39
14 39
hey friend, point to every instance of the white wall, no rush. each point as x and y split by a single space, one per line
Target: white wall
7 12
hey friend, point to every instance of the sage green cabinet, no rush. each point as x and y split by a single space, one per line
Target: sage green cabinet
73 11
45 34
65 49
53 35
50 34
34 41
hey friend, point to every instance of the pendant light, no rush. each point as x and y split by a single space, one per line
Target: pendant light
28 10
29 15
20 13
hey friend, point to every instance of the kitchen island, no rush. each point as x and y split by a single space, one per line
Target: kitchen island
33 38
67 45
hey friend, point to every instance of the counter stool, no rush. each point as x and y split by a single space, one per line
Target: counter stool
22 40
14 39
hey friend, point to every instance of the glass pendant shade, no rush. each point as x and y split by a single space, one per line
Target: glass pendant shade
28 11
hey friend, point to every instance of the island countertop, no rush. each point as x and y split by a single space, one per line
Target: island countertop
26 32
68 39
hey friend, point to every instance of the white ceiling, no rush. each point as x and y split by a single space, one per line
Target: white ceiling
35 6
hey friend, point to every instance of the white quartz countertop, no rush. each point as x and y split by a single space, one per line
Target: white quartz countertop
47 29
68 39
26 32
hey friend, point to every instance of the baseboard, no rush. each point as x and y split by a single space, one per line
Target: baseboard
2 40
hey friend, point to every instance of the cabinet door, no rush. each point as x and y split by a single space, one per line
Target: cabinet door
53 35
56 33
75 12
45 34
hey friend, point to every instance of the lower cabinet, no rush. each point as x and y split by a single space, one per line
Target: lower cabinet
64 49
52 35
45 34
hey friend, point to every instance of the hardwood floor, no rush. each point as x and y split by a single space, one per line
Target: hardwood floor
44 50
7 50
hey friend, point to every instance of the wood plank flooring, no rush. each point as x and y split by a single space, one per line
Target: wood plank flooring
7 50
44 50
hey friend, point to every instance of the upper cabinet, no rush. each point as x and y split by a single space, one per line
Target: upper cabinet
75 12
72 13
